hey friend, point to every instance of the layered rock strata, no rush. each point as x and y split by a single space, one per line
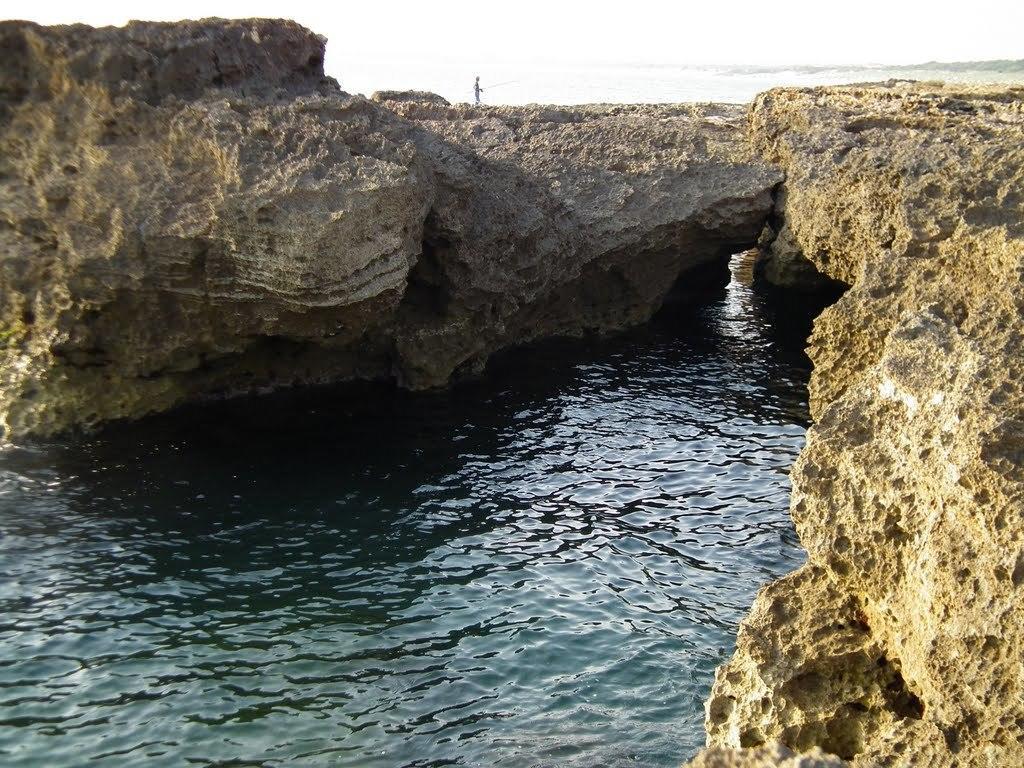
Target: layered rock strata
901 642
193 210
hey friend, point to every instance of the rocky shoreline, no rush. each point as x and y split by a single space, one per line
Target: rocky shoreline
194 210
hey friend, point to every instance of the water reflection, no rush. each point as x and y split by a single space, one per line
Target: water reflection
542 567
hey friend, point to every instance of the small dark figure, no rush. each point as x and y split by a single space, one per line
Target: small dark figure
477 90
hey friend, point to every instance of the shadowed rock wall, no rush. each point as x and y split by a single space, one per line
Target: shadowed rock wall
193 210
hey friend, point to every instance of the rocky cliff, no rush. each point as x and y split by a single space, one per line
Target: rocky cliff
901 641
193 210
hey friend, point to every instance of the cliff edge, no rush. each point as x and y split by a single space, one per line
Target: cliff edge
194 210
900 642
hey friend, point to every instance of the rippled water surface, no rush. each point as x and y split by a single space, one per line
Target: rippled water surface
539 568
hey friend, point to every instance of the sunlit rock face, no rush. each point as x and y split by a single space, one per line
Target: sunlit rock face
901 641
193 210
773 756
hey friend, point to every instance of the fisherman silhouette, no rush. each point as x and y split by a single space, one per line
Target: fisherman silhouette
477 90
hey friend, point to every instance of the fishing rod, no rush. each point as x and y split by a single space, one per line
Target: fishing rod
498 85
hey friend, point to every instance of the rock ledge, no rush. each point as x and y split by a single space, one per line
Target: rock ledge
193 210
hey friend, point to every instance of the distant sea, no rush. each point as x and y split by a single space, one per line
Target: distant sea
530 82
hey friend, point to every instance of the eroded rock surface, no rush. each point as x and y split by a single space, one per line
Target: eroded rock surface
774 756
193 210
557 221
902 640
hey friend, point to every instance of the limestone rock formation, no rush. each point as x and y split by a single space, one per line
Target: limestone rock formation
781 262
774 756
193 210
901 642
562 220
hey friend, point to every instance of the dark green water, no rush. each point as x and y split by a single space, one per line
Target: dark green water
539 568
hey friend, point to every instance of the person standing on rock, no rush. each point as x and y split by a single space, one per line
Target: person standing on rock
477 90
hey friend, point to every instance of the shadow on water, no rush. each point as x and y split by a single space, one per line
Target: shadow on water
539 567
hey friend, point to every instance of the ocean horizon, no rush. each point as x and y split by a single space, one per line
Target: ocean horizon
590 83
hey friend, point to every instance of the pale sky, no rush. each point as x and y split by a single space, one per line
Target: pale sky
624 31
438 44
